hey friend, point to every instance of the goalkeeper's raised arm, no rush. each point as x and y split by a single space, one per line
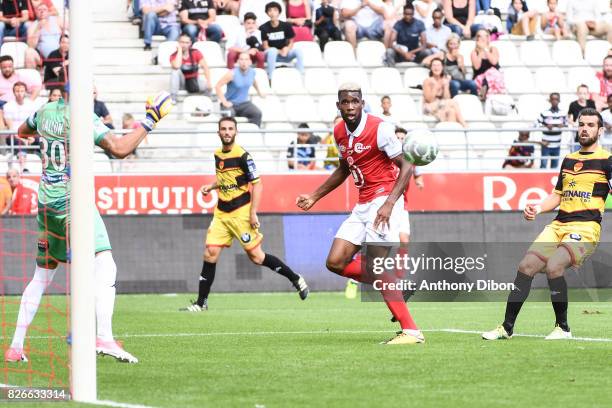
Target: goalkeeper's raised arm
156 108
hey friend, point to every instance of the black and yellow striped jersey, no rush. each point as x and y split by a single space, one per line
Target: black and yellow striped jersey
584 184
235 170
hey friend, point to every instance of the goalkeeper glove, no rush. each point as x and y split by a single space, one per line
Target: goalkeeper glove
157 107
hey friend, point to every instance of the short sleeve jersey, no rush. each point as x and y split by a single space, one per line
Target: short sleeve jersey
52 123
235 169
368 152
584 184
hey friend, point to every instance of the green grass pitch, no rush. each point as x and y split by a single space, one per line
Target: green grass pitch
273 350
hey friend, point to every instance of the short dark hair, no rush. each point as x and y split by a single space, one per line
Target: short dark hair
64 36
249 16
438 10
227 119
273 4
385 97
557 94
401 130
591 112
607 56
20 83
583 86
6 58
303 125
408 6
185 35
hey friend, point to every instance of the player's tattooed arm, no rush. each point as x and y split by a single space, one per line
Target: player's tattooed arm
306 201
207 188
121 147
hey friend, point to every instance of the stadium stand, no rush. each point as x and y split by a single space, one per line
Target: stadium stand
125 74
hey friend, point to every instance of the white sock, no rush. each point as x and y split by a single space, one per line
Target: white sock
412 332
29 303
105 275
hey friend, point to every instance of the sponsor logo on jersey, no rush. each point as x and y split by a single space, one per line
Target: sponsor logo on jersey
43 245
578 166
585 195
342 148
221 164
246 237
576 237
350 161
360 148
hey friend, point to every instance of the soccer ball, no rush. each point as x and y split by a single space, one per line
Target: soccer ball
420 147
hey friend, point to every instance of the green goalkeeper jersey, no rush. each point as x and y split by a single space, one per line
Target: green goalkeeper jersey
52 123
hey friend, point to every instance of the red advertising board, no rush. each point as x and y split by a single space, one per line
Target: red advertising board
178 194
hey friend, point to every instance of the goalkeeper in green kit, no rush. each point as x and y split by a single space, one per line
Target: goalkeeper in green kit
52 124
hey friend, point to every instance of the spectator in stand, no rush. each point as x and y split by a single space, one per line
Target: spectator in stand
186 62
17 111
302 157
606 114
228 6
408 40
159 19
387 116
44 34
521 20
391 16
436 95
362 18
34 4
485 64
605 83
553 22
198 20
585 17
9 78
326 24
424 10
236 99
436 36
25 200
128 122
460 16
299 15
524 152
13 18
483 7
6 196
277 37
583 101
454 66
331 159
101 110
56 65
552 119
249 41
55 94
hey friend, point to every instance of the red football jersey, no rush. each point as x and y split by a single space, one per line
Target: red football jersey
24 201
368 152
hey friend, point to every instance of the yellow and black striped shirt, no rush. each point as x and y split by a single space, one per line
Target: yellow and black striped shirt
235 170
584 184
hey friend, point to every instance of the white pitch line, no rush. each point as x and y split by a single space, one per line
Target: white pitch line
310 332
106 403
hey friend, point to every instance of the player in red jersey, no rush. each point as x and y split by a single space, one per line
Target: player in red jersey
369 151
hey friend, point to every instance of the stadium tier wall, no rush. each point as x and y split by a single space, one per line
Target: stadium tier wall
163 254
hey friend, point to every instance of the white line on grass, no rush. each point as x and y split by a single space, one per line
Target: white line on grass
106 403
310 332
271 333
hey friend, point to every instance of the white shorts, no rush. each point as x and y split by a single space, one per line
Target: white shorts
358 227
404 226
